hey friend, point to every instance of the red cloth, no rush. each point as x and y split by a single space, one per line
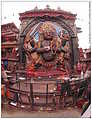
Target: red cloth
13 50
7 39
58 87
2 67
8 93
80 103
2 91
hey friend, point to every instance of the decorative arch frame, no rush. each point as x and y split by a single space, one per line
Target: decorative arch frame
60 21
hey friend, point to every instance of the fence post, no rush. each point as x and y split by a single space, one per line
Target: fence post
60 93
47 94
17 79
54 101
26 79
31 94
19 85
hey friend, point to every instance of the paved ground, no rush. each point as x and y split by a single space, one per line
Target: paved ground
63 113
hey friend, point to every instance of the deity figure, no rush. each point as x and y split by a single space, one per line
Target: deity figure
49 50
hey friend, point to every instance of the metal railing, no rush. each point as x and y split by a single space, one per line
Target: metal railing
67 89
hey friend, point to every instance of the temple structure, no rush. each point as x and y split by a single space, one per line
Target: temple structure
53 73
48 38
9 43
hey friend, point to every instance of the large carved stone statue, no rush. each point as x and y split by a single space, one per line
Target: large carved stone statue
48 52
49 39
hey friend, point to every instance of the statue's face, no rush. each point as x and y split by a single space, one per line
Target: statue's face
48 30
48 35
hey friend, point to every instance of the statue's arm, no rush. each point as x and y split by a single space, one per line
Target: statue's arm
42 50
61 49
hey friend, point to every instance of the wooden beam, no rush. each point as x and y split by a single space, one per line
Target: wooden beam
10 59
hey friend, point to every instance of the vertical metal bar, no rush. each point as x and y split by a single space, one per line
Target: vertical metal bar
54 102
17 79
47 94
16 76
5 90
18 93
18 99
31 94
26 79
60 92
19 85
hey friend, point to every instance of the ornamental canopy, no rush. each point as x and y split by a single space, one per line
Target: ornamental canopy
47 12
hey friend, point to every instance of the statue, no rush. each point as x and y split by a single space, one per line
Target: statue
49 51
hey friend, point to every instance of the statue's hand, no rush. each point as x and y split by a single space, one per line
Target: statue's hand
47 48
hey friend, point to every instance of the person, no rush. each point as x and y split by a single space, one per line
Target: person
4 78
79 68
87 104
88 72
4 85
6 64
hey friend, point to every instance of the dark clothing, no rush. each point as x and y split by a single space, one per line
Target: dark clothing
5 64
